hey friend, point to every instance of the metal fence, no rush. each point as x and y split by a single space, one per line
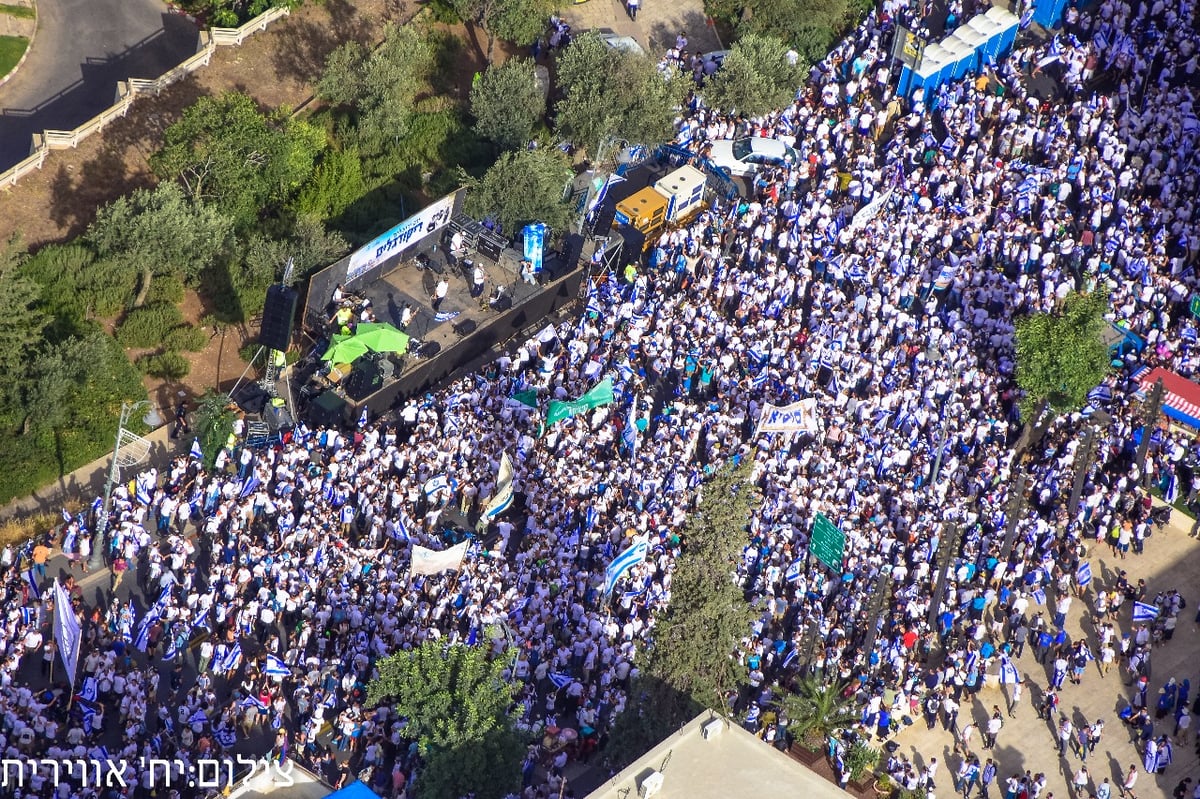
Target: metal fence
129 90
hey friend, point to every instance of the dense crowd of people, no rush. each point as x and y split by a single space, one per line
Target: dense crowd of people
275 581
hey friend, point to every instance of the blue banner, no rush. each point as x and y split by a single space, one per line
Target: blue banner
535 241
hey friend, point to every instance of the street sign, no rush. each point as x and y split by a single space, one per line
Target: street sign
1194 307
827 542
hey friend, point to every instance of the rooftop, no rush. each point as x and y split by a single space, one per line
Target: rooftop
731 762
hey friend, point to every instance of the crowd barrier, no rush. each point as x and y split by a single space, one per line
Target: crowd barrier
129 90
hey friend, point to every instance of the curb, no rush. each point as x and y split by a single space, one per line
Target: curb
28 48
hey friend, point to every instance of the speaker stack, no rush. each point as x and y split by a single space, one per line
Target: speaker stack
279 313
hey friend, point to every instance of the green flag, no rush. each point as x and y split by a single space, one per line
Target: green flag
602 394
526 399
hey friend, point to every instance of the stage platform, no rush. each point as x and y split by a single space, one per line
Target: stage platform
439 346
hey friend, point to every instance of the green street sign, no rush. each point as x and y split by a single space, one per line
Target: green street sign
1195 306
827 542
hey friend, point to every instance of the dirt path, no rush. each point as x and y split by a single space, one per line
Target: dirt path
276 67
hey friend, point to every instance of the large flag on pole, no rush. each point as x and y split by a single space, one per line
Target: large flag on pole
428 561
1143 611
623 563
602 394
799 417
66 631
504 489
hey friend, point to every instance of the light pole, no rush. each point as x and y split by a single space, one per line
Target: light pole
96 561
934 355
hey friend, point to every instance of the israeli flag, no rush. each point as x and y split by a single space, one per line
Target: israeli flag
593 301
232 658
1083 575
1008 672
35 591
559 679
1039 596
1144 612
276 667
793 572
249 486
225 736
253 701
624 562
196 452
364 418
445 316
198 717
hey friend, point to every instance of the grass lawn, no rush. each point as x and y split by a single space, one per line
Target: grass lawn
11 50
24 12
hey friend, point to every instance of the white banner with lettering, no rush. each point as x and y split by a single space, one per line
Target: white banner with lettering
396 240
428 561
799 417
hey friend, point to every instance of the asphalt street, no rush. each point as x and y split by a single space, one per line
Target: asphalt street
82 48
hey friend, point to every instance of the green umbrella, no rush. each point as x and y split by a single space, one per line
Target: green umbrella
382 337
345 349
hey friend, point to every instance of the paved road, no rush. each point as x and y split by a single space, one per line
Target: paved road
83 48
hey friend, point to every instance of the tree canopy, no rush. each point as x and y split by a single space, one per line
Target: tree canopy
22 322
610 93
1061 355
690 665
517 21
523 186
458 707
160 231
380 85
756 77
226 152
808 26
507 103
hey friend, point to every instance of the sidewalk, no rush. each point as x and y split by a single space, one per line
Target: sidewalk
1028 743
658 23
87 482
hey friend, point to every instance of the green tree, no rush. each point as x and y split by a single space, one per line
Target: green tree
215 416
159 231
523 186
507 103
458 707
690 665
517 21
381 86
336 184
1061 355
808 26
611 94
310 246
226 152
755 78
816 710
22 322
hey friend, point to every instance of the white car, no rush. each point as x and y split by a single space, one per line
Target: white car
619 42
744 157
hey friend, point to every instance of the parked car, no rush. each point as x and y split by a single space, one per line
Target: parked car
745 156
618 42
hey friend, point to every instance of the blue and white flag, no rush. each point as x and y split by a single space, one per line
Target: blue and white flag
199 717
559 679
1083 575
225 736
1008 672
232 658
445 316
503 498
196 452
631 557
253 702
1039 596
794 571
276 667
249 486
1144 612
35 590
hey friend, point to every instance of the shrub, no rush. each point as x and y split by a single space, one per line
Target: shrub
148 326
168 288
185 338
167 365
